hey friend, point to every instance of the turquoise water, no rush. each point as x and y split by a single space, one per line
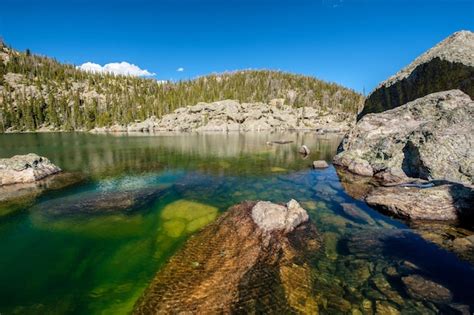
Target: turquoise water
92 246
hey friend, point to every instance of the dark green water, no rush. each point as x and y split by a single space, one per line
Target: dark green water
56 259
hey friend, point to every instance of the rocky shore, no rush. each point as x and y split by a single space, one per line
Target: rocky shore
229 115
411 152
425 145
253 258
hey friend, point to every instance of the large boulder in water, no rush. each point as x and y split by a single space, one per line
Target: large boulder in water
28 168
429 138
445 202
449 65
254 258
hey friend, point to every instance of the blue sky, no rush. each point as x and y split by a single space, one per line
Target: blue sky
357 43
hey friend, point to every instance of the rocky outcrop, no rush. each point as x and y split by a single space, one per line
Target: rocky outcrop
449 65
407 136
429 138
28 168
231 115
252 259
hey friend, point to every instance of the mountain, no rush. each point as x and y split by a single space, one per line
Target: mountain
39 93
448 65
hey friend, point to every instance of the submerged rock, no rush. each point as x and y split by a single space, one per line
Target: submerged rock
448 65
99 202
242 262
185 216
28 168
20 196
358 187
354 212
421 288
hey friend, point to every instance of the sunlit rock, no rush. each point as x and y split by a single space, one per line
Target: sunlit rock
320 164
449 202
235 265
28 168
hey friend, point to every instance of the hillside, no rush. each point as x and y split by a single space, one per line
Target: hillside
39 93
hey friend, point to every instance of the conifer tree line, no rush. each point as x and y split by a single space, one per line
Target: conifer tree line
37 92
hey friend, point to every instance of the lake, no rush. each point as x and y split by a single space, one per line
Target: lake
62 251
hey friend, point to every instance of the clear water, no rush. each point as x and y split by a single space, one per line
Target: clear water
55 261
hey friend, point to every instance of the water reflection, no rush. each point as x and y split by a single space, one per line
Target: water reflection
109 154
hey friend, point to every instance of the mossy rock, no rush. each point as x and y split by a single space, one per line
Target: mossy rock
186 216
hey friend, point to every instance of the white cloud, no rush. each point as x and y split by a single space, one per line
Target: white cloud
180 69
123 68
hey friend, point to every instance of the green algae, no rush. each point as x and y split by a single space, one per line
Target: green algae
186 216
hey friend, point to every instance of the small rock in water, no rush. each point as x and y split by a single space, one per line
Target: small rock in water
304 150
320 164
424 289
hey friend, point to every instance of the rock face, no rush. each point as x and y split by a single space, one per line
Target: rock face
231 115
449 65
252 259
25 169
429 138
